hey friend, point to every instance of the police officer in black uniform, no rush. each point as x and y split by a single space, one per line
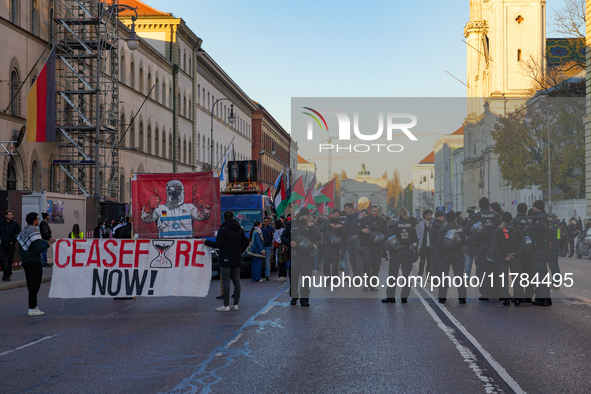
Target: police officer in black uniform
434 233
450 241
508 244
334 233
487 221
400 254
303 234
372 229
523 221
540 235
572 233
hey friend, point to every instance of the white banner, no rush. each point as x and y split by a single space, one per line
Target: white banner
95 268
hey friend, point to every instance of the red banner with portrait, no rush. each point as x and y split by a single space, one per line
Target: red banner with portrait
176 205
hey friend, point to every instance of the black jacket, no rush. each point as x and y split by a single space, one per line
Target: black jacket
436 225
326 229
231 243
501 248
404 231
378 224
461 239
45 230
572 231
298 229
523 222
9 231
540 230
491 221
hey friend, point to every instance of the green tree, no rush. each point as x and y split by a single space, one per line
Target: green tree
522 146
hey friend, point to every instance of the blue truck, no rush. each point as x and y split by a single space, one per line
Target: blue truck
247 209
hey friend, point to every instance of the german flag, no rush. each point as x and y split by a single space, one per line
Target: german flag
41 104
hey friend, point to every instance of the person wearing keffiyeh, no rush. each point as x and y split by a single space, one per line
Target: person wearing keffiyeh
31 245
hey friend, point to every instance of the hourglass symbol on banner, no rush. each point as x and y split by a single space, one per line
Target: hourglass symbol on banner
161 261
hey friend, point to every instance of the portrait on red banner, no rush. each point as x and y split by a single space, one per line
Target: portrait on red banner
175 205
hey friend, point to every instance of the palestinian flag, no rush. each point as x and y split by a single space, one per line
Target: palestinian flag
298 192
280 199
41 104
308 202
325 194
268 192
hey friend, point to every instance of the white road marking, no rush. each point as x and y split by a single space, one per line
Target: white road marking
233 340
497 367
27 345
267 310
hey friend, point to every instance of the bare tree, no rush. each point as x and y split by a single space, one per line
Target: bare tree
569 20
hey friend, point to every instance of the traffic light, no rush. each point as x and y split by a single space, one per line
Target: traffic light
432 193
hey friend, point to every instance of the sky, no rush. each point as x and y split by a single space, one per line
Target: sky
276 50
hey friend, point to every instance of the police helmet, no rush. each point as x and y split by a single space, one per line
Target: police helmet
334 240
478 230
305 246
451 239
529 244
490 255
377 237
314 250
393 244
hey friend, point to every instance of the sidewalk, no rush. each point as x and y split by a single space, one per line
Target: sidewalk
18 279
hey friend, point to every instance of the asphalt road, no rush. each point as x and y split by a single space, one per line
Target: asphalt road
338 345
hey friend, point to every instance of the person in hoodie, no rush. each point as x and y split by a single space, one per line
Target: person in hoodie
508 244
523 221
401 258
335 235
450 242
540 235
231 242
487 220
31 245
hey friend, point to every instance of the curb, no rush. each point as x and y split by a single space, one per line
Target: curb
16 285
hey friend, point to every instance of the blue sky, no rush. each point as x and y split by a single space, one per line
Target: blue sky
275 50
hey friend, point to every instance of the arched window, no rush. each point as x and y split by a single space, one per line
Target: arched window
35 176
14 85
35 17
178 148
157 142
149 87
190 116
198 147
190 158
163 142
224 114
184 151
149 147
163 93
170 96
203 150
15 15
141 136
122 193
198 94
132 132
132 75
121 69
208 105
156 90
170 145
204 96
184 106
208 150
141 79
185 61
122 128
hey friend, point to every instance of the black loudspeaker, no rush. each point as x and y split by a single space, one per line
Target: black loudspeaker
248 171
233 171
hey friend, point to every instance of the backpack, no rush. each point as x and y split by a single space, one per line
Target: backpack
508 240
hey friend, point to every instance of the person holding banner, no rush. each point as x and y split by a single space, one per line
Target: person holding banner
231 242
31 245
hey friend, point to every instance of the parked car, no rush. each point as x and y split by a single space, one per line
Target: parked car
583 247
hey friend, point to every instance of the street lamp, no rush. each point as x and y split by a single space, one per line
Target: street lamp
231 119
487 165
528 121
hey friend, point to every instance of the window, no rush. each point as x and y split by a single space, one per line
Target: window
185 61
198 146
157 142
190 109
14 94
190 161
35 176
203 147
149 147
149 84
170 96
208 150
15 9
184 106
163 93
198 94
169 145
519 55
178 148
208 106
122 128
141 79
122 69
132 75
184 151
163 142
132 132
141 136
156 90
35 17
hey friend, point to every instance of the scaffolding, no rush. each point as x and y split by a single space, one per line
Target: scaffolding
86 152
